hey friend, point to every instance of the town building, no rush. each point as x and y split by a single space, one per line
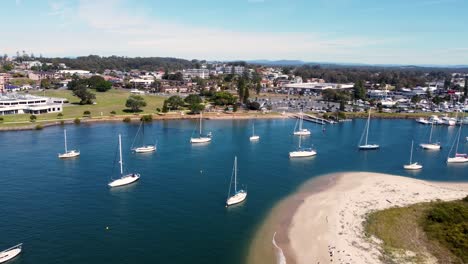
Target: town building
314 87
12 103
192 73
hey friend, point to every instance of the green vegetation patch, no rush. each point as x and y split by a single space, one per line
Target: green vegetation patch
422 231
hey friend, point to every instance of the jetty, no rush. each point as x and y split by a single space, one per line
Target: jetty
314 119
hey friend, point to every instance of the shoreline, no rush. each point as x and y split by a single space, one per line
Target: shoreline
136 118
323 219
177 116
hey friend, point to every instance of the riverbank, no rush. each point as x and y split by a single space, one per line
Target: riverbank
323 220
135 118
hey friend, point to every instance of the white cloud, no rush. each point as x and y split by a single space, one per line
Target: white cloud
110 27
140 35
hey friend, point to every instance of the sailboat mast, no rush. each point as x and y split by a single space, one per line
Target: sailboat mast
367 129
201 114
300 121
430 134
235 174
411 155
120 155
458 139
253 130
300 137
65 136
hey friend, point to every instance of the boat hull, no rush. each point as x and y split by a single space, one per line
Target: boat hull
430 146
200 140
303 132
70 154
254 138
302 153
125 180
457 160
369 147
414 166
145 149
239 197
9 254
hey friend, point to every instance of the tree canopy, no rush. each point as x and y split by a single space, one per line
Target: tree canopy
135 102
85 96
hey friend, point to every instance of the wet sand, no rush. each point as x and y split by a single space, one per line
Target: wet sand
323 221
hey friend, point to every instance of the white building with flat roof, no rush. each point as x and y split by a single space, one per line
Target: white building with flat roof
192 73
316 86
12 104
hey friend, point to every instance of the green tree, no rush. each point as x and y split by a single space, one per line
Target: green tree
86 113
32 118
466 87
46 84
223 98
342 106
174 102
85 96
99 83
135 102
258 88
253 105
193 99
164 108
196 108
246 95
359 90
241 87
7 67
415 99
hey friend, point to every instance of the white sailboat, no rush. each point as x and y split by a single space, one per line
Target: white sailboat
430 145
145 148
254 137
10 253
366 145
201 138
124 179
302 152
68 153
458 157
239 195
301 131
411 165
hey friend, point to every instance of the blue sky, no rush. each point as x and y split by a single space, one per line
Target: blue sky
358 31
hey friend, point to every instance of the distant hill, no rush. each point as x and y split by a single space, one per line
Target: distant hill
345 64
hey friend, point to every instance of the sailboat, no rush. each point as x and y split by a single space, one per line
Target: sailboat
144 148
411 165
366 145
124 179
201 138
10 253
302 152
254 137
239 195
459 157
301 131
68 153
430 145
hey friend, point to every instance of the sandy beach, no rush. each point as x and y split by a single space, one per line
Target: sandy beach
323 221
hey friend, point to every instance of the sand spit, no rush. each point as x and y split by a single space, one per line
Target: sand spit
323 221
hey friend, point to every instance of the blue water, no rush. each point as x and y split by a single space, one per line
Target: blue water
60 209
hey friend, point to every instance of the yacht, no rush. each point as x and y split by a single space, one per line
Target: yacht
201 138
124 179
10 253
366 145
301 131
239 195
68 153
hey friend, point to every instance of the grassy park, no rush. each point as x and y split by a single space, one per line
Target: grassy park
105 103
